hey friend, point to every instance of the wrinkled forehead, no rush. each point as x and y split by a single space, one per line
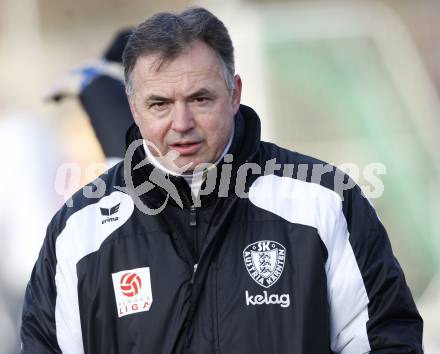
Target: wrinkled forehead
197 63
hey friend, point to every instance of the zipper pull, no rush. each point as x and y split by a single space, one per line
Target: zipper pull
194 273
192 216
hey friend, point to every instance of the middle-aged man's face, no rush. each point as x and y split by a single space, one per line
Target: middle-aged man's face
185 106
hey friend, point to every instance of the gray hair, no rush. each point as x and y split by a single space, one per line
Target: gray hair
168 35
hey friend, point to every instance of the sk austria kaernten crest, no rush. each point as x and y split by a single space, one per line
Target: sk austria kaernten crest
264 261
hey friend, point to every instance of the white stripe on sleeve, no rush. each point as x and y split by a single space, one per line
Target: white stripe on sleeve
83 234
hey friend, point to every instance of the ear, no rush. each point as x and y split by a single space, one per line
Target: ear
236 95
133 110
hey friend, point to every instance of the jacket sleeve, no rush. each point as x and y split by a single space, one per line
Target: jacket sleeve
38 330
372 309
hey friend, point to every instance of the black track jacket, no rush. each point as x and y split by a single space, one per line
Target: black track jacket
279 261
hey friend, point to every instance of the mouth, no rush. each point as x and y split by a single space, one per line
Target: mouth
186 148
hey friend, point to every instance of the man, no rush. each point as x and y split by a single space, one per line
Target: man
98 85
208 240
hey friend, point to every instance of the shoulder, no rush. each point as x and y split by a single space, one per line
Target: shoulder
302 169
305 185
93 201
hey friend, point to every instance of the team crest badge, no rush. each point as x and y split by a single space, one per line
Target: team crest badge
264 261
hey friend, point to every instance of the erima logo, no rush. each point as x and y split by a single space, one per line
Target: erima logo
264 261
132 291
108 212
266 299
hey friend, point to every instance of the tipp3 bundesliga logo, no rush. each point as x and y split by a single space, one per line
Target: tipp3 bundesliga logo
132 291
264 261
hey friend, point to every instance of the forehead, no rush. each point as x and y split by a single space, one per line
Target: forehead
198 64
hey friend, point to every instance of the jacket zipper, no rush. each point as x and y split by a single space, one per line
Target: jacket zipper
192 216
193 224
194 273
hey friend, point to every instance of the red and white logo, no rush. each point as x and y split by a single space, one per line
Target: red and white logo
132 291
130 283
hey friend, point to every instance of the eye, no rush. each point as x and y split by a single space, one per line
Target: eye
201 99
158 106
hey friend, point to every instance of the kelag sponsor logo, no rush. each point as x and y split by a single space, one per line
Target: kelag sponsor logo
267 299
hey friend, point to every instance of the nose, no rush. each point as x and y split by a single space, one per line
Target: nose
183 118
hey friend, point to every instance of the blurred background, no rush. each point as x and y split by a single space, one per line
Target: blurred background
355 83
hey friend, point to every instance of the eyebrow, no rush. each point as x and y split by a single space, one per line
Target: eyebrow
201 92
157 98
198 93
